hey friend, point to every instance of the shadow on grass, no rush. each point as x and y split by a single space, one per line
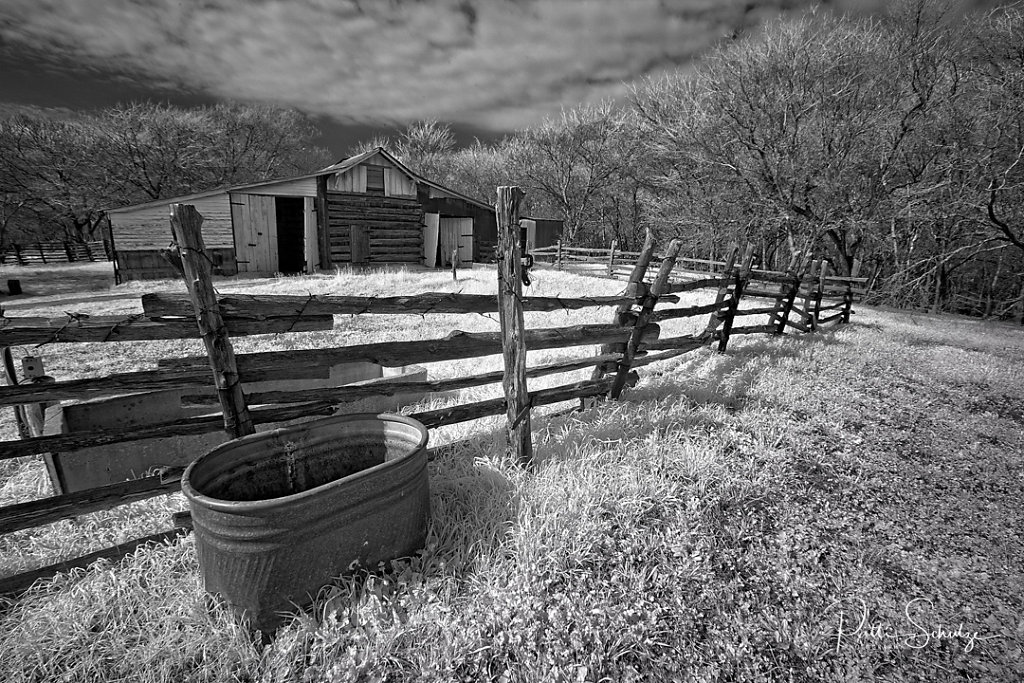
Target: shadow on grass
726 379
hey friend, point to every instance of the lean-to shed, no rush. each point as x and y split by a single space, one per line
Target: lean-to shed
367 209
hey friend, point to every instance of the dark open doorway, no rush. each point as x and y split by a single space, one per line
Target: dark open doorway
291 257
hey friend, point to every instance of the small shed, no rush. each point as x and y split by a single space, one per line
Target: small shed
364 210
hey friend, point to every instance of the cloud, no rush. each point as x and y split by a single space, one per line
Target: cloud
497 64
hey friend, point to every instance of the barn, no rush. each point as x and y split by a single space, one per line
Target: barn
364 210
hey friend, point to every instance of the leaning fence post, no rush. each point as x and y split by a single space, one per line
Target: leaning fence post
611 257
637 289
820 293
739 284
186 224
644 317
723 290
809 288
797 268
510 310
848 295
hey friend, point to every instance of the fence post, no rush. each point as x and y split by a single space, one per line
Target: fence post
848 295
644 317
510 310
739 284
809 288
558 255
186 224
798 265
635 288
42 254
17 255
820 293
723 291
611 257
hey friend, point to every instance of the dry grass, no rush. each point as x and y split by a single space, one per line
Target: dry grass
730 520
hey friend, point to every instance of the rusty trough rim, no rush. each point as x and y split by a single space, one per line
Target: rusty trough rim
222 505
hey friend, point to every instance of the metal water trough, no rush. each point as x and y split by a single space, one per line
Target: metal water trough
279 514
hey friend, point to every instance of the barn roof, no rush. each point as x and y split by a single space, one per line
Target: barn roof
348 163
339 167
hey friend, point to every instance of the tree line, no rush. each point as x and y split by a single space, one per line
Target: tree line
58 175
895 144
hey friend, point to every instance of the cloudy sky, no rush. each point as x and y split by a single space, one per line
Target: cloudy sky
487 66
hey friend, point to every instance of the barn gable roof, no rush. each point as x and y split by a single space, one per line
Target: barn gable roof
339 167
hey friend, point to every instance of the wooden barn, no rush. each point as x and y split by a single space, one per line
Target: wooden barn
367 209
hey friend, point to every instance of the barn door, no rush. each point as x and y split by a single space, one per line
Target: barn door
466 240
430 239
291 230
456 233
448 239
360 244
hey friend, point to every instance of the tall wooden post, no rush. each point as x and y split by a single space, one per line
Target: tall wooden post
635 288
644 317
822 274
611 258
809 288
739 284
798 265
848 295
723 291
513 328
558 255
186 224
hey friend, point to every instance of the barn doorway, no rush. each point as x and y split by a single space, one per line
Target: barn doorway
455 235
291 232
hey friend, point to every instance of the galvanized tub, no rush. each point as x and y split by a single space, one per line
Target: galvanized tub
278 514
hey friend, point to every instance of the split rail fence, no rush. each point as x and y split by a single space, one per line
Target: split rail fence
54 252
803 298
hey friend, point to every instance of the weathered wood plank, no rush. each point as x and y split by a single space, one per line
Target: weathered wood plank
679 287
497 406
348 393
457 345
685 341
89 329
19 583
259 307
754 329
95 387
46 510
688 312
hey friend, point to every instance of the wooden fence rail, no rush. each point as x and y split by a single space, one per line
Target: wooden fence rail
631 340
54 252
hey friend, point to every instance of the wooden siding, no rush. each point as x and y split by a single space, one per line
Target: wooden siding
150 264
367 229
352 180
149 227
396 182
300 187
255 233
